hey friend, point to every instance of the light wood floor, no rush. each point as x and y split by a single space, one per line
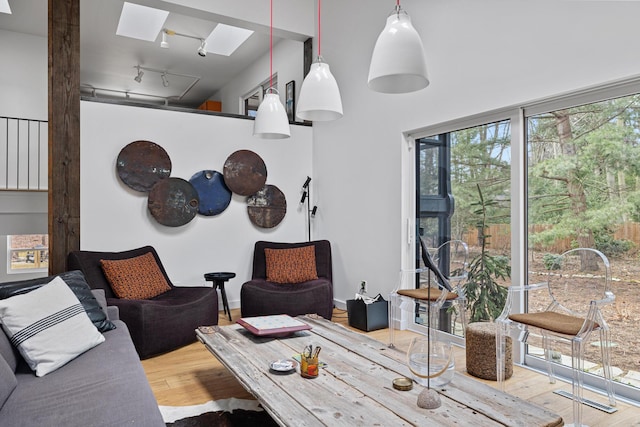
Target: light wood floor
191 375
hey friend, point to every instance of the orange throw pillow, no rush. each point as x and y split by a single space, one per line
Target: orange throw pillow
135 278
294 265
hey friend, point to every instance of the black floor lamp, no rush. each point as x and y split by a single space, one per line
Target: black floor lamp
311 212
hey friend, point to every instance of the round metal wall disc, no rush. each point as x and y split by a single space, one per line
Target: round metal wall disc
244 172
267 207
212 192
173 202
141 164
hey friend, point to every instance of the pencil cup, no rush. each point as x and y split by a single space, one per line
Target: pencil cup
309 367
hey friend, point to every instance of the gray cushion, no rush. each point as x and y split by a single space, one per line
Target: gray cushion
106 386
77 283
101 299
7 381
8 352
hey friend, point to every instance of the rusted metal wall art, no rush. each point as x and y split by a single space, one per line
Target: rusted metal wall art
267 207
245 172
173 202
212 191
141 164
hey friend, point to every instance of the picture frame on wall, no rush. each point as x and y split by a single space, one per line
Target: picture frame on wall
290 100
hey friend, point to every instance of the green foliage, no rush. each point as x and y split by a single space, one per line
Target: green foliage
611 247
552 261
485 297
586 178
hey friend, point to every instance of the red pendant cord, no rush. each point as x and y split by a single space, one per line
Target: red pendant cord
397 2
319 37
271 48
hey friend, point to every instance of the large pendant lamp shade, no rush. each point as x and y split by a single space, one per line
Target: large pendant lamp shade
398 63
271 120
319 98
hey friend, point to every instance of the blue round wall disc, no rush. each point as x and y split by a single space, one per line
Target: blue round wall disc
212 191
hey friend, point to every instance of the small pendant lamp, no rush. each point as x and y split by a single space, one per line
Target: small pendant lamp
319 98
398 63
271 120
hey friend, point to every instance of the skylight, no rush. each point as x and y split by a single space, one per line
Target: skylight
225 39
140 22
4 6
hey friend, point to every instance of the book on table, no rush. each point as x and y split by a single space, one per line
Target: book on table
278 324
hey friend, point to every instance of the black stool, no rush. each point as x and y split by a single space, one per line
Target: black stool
218 280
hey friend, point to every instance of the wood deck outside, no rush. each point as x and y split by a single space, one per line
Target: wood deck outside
191 376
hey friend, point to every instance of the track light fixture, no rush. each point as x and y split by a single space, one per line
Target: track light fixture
202 49
164 43
138 78
165 81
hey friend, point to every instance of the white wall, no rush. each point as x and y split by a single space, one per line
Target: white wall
23 94
287 63
113 217
23 76
481 56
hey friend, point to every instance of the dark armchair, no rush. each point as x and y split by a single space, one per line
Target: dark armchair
260 297
159 324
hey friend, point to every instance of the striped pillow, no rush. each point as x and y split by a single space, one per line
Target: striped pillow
49 326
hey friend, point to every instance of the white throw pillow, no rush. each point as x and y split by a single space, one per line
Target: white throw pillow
49 326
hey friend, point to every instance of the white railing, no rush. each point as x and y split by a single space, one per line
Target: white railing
23 154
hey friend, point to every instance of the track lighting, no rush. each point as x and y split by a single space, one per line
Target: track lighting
202 50
165 81
138 78
164 43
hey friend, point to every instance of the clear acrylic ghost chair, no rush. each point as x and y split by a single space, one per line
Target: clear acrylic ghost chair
435 287
577 292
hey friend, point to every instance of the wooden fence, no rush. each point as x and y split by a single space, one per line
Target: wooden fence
500 240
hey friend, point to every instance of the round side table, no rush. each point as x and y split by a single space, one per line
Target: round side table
218 280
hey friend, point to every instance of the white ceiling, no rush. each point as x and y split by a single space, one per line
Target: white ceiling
107 61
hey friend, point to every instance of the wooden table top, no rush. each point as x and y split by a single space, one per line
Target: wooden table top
355 388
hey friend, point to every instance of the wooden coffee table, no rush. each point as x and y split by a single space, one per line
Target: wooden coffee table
355 388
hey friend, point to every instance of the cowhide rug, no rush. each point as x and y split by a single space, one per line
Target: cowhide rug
219 413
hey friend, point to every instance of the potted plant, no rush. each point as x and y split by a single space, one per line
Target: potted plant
485 300
485 297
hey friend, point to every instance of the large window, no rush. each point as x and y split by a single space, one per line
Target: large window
584 191
455 171
559 173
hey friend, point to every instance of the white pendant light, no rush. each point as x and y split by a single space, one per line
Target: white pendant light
271 120
319 98
398 63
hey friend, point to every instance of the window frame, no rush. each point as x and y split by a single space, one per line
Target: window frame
11 270
518 115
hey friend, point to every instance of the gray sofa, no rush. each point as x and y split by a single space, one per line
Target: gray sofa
105 386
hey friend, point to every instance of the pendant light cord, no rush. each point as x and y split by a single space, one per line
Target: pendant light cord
319 28
271 48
